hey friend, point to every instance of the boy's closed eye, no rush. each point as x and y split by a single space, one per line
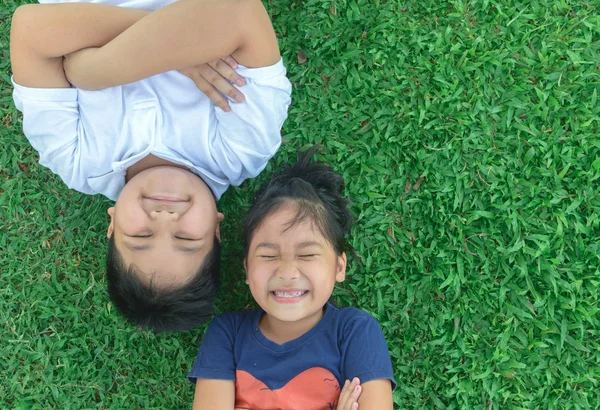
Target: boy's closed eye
182 238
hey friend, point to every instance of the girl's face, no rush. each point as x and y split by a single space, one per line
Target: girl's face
292 270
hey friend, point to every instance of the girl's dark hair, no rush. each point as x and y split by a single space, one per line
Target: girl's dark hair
317 192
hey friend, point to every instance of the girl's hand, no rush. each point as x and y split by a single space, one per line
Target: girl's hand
216 79
349 396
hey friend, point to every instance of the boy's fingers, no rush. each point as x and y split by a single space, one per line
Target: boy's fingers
211 92
219 82
227 71
231 62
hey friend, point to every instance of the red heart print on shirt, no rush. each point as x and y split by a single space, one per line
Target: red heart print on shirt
314 389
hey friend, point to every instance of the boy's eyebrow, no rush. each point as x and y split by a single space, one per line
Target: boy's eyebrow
136 248
146 247
189 250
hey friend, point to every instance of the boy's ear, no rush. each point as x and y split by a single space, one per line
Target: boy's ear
111 226
340 269
246 270
220 218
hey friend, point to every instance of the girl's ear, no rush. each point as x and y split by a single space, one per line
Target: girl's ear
111 226
340 270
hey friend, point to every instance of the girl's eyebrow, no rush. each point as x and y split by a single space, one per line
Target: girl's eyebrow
275 247
307 244
267 245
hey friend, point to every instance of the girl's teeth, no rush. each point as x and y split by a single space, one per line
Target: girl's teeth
289 294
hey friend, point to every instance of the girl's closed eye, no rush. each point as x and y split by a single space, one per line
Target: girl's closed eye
267 257
308 256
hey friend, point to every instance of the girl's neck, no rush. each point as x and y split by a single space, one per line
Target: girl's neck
282 332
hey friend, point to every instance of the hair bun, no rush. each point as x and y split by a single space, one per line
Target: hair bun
309 182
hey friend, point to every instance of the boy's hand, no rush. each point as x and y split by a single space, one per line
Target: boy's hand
215 80
349 396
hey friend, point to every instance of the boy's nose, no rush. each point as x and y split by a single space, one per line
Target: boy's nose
157 208
156 215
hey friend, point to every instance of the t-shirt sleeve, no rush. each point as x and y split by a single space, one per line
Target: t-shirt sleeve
215 358
365 351
51 124
250 134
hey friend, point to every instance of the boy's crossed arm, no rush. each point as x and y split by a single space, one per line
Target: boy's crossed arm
181 35
43 34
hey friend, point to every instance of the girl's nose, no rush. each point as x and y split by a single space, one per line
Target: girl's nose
287 270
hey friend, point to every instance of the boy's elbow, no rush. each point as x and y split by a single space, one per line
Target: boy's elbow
22 32
22 14
31 31
22 24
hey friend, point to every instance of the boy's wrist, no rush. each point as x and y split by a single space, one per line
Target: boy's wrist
80 68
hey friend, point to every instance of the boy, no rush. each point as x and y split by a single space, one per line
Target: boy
154 143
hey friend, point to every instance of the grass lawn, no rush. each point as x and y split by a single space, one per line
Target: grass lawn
468 134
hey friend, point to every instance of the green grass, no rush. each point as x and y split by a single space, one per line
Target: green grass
467 132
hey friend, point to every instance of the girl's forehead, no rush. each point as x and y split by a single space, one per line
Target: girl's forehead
287 221
290 224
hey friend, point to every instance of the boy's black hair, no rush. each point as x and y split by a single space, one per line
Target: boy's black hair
163 309
317 192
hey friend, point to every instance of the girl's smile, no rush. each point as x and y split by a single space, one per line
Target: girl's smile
288 296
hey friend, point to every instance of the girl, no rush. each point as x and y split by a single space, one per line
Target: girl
295 352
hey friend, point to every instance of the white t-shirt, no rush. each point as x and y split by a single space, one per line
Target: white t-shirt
90 138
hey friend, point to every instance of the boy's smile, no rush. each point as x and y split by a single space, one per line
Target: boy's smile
291 271
164 223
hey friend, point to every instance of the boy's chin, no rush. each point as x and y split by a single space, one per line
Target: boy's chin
167 181
164 171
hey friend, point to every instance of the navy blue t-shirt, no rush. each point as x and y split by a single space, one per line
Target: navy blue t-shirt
304 373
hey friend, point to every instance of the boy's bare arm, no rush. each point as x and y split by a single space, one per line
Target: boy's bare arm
41 34
183 34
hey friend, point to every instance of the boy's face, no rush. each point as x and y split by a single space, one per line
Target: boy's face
292 270
164 223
